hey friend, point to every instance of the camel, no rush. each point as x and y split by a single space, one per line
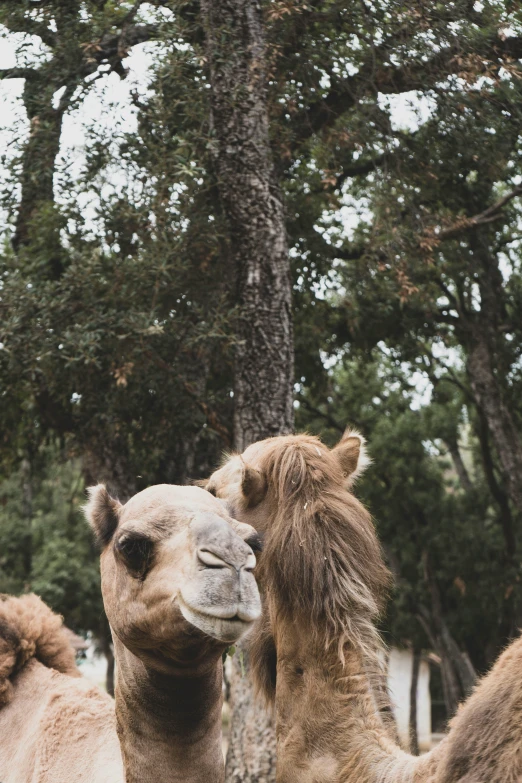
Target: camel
178 589
316 653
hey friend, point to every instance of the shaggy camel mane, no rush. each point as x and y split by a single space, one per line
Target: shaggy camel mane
29 629
322 563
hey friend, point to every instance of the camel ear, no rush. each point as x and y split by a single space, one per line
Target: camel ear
102 513
253 486
351 455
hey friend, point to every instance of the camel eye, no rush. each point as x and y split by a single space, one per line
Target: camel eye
255 542
136 552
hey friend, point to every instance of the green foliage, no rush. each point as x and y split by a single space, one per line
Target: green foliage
45 544
418 503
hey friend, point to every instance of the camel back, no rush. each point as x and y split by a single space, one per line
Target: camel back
29 629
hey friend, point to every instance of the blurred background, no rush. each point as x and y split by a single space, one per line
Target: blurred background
394 130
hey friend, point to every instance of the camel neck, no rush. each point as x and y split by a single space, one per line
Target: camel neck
329 727
169 726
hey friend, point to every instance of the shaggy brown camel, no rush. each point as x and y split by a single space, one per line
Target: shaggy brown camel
316 652
178 588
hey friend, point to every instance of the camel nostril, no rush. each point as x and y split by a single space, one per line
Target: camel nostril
238 563
211 560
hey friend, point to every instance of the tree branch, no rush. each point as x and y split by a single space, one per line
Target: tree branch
453 448
320 414
132 13
67 95
125 27
359 168
17 73
112 48
350 254
377 76
373 77
136 34
499 496
457 303
487 216
31 26
451 376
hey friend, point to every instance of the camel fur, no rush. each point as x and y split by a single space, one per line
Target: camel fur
68 726
316 652
28 629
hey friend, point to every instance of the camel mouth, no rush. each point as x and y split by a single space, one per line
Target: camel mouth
225 629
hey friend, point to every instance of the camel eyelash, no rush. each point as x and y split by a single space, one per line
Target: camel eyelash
255 542
136 551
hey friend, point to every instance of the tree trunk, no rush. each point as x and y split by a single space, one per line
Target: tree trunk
450 686
252 746
27 515
456 456
36 225
505 518
263 372
107 464
508 621
73 59
501 425
458 674
414 736
487 365
108 651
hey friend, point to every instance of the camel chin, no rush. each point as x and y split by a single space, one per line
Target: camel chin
224 629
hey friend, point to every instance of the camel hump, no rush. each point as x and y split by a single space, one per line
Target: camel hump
29 629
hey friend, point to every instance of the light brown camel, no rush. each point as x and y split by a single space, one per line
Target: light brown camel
315 653
178 588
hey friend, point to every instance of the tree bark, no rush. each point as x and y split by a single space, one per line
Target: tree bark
501 425
252 746
38 166
108 651
458 674
264 357
107 464
456 456
487 367
497 492
252 201
414 736
508 622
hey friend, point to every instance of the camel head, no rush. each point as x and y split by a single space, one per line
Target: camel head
247 489
176 572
